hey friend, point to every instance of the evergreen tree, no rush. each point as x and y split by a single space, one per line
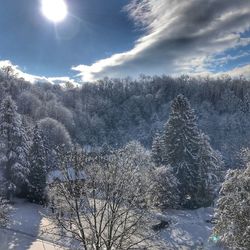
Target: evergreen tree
233 210
157 149
14 147
210 169
37 176
181 143
189 153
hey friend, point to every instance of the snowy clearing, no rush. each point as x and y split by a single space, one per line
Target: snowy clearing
188 229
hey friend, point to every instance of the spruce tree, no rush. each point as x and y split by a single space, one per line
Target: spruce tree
37 176
189 154
14 147
210 167
181 144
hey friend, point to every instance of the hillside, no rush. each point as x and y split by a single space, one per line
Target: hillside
116 111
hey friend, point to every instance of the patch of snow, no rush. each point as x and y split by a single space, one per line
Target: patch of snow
26 229
10 240
188 229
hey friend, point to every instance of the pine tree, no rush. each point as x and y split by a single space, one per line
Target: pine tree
14 147
233 210
37 176
189 154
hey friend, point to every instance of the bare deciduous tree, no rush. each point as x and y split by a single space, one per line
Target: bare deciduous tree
99 201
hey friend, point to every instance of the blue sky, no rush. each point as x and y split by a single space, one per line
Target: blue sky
119 38
32 42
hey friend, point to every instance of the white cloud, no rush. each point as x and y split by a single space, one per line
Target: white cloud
34 78
21 74
238 71
63 80
180 37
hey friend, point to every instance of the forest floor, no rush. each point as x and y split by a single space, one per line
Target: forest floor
188 230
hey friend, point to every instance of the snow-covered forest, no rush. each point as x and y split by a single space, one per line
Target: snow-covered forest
112 162
116 111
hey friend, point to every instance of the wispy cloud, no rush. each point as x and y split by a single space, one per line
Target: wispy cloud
180 37
238 71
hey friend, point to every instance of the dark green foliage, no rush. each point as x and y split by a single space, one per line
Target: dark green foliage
181 135
157 149
180 147
37 176
190 155
14 147
211 168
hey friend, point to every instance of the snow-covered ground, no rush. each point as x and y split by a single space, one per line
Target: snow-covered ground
19 241
27 229
189 229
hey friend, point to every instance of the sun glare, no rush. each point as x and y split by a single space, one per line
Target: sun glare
55 10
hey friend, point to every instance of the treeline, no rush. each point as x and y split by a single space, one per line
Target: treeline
116 111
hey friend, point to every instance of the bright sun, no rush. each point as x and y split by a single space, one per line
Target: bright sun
54 10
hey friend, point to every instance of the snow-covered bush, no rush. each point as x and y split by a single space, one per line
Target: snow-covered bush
233 210
164 188
55 135
4 209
